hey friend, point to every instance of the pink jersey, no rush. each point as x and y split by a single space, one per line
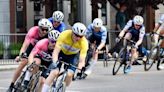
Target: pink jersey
33 35
41 48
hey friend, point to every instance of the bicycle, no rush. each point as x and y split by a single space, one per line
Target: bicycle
154 55
123 56
31 87
59 84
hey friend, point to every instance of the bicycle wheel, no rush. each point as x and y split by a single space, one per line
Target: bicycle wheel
151 59
119 61
159 62
34 83
17 86
61 87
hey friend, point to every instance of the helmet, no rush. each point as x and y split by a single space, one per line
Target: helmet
97 22
138 20
53 35
45 23
79 29
58 16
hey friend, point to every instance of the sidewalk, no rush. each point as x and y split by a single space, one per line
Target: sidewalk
8 64
8 67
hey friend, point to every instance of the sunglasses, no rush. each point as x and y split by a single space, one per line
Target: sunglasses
57 22
52 41
78 36
44 29
137 25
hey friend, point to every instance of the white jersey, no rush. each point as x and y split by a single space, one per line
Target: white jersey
161 19
130 26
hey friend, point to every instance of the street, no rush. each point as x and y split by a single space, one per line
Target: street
102 80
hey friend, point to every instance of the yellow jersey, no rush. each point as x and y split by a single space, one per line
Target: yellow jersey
66 44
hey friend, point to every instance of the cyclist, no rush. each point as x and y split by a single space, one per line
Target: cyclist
96 34
159 29
35 34
134 30
56 20
42 54
68 45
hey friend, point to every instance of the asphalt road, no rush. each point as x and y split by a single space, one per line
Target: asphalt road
102 80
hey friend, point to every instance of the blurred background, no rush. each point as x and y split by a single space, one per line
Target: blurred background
17 16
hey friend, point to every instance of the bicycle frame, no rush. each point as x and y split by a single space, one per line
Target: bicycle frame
123 57
59 83
33 79
154 55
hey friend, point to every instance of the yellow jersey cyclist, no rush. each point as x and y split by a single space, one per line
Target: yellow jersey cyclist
68 45
159 29
34 34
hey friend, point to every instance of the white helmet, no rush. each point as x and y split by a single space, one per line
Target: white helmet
58 16
53 35
97 22
79 29
45 23
138 20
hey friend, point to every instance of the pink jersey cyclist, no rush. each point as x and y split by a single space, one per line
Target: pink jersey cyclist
41 54
41 48
34 34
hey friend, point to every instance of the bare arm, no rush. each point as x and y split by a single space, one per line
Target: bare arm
56 53
81 62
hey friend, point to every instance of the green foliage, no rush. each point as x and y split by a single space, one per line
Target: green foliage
15 48
1 48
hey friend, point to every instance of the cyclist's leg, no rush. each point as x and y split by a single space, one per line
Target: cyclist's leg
73 59
18 71
41 82
92 63
97 42
156 36
44 74
29 73
144 52
53 74
129 36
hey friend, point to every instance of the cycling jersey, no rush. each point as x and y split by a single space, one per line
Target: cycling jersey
69 47
42 52
41 48
161 19
101 35
136 34
32 37
60 28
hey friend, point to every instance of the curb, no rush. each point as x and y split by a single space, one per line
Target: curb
8 67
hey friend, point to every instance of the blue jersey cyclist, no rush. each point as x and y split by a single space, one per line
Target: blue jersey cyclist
134 30
56 20
96 34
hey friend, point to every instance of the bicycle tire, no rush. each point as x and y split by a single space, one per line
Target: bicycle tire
62 87
118 63
17 86
34 82
150 59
